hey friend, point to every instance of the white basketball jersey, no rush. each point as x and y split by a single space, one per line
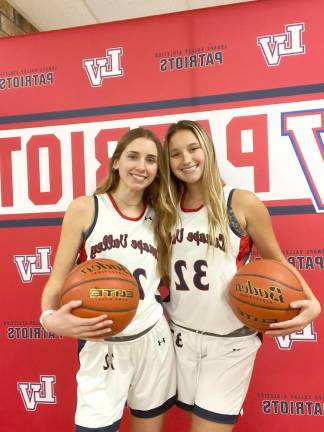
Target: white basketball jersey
200 274
129 241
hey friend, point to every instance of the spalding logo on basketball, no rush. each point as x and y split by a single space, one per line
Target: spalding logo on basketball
260 293
105 287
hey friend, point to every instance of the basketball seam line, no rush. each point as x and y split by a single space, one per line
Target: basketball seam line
106 310
259 306
270 278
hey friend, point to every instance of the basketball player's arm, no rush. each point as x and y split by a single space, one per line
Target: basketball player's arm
255 219
61 322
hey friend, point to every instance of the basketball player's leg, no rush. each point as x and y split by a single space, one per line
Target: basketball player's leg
154 424
199 424
187 364
102 367
224 377
153 387
188 372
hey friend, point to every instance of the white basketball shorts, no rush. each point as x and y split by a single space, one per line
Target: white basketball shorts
140 372
213 373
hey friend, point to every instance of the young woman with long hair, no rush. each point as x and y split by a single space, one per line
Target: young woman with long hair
136 365
213 229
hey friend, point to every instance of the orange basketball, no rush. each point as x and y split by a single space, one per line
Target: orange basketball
105 287
261 291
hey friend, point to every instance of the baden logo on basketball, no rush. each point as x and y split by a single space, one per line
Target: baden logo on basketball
97 265
273 293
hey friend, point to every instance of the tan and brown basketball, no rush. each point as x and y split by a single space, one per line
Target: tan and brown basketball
106 287
260 293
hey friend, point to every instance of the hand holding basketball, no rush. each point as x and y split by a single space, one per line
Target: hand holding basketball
105 287
63 323
260 294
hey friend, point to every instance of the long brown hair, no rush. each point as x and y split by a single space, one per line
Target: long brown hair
154 194
212 184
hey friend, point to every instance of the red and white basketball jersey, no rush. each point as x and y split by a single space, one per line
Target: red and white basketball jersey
129 241
200 274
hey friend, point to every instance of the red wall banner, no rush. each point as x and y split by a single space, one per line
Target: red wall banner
253 75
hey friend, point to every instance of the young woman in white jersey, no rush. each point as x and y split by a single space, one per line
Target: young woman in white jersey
137 365
214 227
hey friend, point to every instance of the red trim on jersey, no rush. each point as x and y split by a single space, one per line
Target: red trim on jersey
187 210
244 251
122 214
82 254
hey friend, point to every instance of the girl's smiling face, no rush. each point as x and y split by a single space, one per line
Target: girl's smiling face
138 164
187 159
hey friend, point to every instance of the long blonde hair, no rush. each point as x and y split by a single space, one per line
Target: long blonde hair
154 194
212 184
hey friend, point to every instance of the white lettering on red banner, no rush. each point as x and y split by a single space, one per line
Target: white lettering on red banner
31 265
275 46
104 67
34 393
